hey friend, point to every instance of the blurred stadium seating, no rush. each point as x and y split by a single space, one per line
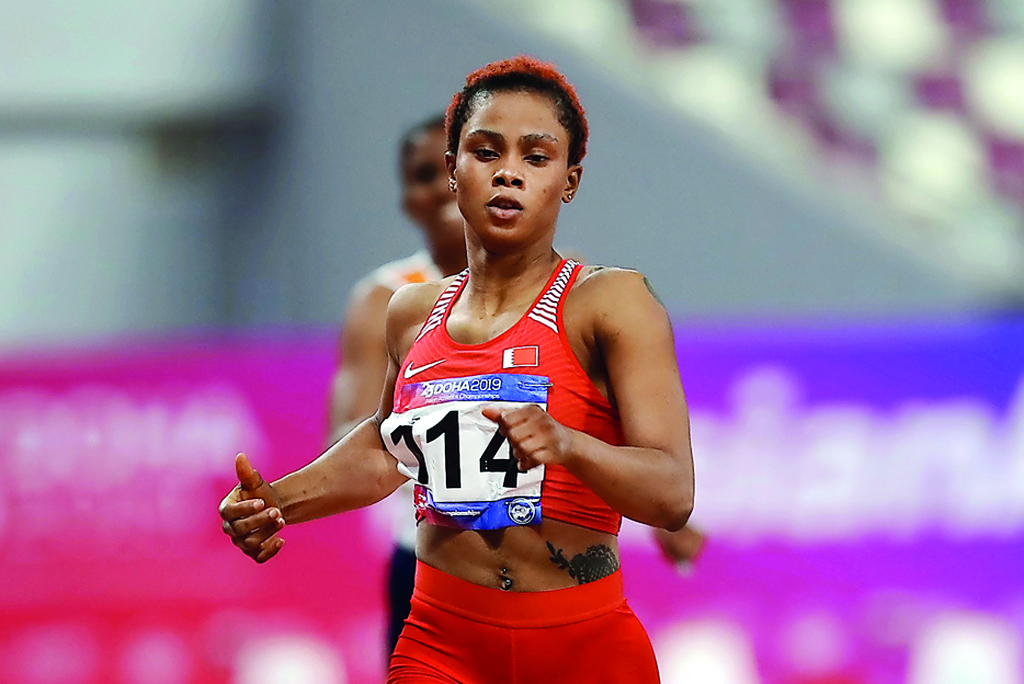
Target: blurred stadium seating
916 106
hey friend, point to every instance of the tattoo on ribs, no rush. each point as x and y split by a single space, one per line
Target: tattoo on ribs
597 563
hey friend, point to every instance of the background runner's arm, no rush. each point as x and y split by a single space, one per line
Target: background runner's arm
356 387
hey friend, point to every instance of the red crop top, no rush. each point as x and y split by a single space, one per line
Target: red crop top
535 349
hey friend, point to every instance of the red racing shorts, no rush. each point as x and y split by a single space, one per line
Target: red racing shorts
463 633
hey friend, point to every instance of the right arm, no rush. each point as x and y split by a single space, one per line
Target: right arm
358 470
354 472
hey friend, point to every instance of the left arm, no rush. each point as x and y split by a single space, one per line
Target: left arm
650 478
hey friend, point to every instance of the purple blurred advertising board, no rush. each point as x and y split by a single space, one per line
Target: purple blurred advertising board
862 489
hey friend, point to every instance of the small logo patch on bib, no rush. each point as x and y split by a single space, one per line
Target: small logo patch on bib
522 511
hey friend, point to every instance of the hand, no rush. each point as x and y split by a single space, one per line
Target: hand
682 546
251 514
534 435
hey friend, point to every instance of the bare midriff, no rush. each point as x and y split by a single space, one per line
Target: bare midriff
513 558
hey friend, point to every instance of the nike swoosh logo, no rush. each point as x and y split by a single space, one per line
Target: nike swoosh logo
410 371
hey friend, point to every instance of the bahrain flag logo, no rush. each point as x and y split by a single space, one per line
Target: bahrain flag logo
520 357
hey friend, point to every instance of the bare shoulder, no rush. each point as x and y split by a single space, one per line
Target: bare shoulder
414 301
607 289
408 309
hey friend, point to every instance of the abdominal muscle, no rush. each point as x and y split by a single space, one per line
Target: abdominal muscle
533 558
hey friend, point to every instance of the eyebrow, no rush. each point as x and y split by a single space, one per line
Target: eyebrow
529 137
539 137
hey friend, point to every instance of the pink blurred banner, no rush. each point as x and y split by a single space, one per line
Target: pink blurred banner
115 567
863 492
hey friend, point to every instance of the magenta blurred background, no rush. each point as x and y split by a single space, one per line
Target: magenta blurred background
860 486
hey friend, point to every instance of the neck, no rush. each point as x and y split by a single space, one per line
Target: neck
498 281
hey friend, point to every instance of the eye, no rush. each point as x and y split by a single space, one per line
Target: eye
485 153
537 158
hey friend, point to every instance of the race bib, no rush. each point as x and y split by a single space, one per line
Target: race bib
464 468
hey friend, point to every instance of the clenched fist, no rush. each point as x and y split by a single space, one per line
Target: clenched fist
534 435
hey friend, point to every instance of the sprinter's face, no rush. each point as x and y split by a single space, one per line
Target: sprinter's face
512 170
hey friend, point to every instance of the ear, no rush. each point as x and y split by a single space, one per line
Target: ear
449 163
572 182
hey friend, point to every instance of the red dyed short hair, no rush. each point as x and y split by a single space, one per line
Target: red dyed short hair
521 73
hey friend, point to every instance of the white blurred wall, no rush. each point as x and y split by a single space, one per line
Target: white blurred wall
119 59
168 165
106 223
95 239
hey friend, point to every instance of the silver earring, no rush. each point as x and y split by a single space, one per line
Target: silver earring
568 198
451 184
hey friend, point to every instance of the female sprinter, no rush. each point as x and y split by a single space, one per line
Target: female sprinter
533 401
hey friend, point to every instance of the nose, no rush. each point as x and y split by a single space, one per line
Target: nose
507 177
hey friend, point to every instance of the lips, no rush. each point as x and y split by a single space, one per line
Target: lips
504 208
501 202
